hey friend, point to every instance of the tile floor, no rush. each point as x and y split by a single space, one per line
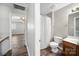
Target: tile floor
18 48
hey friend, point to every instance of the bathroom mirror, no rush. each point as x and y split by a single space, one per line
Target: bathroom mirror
76 26
73 22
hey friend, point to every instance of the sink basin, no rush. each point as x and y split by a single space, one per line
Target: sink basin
74 40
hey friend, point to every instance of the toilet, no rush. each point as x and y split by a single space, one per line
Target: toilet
55 44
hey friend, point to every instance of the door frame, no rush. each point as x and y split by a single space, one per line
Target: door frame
10 29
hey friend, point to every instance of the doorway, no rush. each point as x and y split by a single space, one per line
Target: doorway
18 31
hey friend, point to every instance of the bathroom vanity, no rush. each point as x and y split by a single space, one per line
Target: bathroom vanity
71 46
71 43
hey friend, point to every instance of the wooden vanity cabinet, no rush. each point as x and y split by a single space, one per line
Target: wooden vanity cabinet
77 50
70 49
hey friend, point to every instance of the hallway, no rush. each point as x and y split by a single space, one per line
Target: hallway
18 48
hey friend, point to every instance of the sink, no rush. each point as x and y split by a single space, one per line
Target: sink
74 40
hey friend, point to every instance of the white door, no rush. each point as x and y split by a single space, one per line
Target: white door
45 31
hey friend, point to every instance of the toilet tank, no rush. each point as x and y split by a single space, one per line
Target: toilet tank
58 39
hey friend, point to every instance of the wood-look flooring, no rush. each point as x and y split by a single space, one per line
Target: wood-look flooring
18 48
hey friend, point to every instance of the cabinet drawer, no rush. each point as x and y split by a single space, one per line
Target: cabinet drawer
69 49
69 44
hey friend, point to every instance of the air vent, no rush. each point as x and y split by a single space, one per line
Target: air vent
19 7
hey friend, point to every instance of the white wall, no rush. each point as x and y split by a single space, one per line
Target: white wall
4 20
4 27
61 20
19 28
33 29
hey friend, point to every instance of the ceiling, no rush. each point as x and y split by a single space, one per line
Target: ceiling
45 8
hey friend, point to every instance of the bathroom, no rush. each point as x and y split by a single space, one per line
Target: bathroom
59 30
54 32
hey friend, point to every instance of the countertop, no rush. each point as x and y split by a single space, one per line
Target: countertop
72 39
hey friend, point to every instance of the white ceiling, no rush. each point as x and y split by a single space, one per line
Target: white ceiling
45 8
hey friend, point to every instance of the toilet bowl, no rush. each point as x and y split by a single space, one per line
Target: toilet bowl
55 44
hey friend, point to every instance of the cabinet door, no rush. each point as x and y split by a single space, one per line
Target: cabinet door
69 49
77 50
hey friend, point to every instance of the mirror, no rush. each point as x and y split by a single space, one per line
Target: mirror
73 22
77 26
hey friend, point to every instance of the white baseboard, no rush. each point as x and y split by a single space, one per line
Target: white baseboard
28 50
